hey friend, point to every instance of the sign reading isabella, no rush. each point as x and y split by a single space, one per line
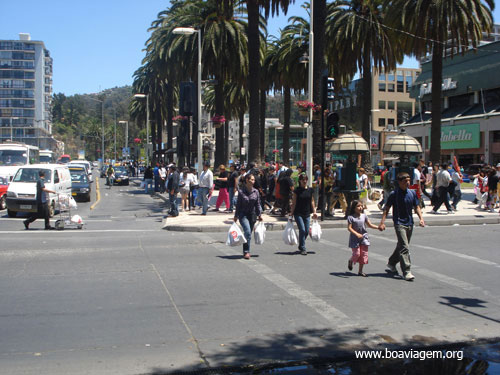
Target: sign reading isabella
460 136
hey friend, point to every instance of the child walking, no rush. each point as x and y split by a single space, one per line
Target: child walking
357 222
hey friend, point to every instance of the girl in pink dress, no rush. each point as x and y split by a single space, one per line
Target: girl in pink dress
357 222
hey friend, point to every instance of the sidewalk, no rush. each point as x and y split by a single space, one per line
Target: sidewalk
192 221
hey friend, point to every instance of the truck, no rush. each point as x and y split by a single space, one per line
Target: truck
14 155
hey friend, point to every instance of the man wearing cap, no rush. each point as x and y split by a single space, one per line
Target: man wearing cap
41 202
403 201
173 189
206 183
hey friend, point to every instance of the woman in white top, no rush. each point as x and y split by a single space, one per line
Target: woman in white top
185 182
363 185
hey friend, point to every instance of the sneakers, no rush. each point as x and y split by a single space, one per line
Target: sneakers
409 276
391 268
246 256
450 211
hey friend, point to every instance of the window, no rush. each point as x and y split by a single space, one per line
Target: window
381 122
381 77
381 104
409 81
390 104
381 87
390 121
390 87
391 76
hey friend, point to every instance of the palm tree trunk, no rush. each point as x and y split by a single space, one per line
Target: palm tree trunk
226 140
219 132
319 19
367 105
437 79
286 125
253 79
262 153
170 115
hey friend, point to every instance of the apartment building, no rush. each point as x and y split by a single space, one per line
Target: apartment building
25 92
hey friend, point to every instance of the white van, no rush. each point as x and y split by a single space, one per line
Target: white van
21 194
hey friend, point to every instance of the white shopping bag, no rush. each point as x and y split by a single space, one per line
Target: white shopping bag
289 235
143 184
259 233
315 231
72 202
235 236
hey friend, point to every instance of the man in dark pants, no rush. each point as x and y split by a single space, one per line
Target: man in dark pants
173 189
403 202
41 202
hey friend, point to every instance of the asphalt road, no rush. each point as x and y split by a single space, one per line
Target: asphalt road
122 296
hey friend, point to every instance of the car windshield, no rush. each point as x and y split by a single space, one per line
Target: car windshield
13 157
120 170
31 175
79 176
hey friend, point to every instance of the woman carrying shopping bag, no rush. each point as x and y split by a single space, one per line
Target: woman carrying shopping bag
248 210
302 206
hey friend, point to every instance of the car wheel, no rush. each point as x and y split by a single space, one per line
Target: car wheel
3 203
11 213
51 210
87 198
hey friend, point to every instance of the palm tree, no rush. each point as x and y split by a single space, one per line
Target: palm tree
435 25
359 39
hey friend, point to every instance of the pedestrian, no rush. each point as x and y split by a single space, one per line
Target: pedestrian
232 185
110 176
194 188
443 180
403 201
357 221
302 207
148 179
162 172
223 194
457 192
285 191
492 183
42 203
173 188
185 182
364 185
248 210
157 179
206 182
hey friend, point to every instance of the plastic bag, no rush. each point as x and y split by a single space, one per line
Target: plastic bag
235 236
143 184
72 202
315 231
259 233
76 219
289 235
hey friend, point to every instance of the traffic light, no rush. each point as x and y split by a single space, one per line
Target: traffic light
187 102
327 91
332 125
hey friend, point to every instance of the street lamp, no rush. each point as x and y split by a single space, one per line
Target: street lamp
190 31
102 126
142 96
126 136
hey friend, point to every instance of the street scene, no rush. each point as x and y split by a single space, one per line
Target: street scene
126 296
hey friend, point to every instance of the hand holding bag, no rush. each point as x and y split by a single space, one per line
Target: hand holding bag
315 231
259 233
289 235
235 236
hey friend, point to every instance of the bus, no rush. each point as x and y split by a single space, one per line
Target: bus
46 157
14 155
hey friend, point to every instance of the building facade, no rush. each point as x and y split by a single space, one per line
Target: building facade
470 116
26 92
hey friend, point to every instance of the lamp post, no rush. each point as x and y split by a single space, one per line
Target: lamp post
189 31
102 127
141 96
310 88
126 136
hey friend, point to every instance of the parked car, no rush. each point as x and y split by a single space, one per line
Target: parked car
21 193
4 184
473 169
80 184
121 176
82 163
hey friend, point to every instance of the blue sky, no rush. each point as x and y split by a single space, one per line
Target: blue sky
97 45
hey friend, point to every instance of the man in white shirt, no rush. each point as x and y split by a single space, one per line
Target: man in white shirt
163 177
443 179
206 183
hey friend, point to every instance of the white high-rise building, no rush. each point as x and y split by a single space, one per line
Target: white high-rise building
26 92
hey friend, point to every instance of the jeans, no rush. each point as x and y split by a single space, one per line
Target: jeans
443 198
303 225
148 185
173 204
457 197
203 198
247 224
232 201
401 253
157 183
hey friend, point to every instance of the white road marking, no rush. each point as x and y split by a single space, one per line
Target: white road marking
323 308
74 231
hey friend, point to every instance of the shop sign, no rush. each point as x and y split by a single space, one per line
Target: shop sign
459 137
448 84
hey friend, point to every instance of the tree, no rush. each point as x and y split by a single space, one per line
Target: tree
433 26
